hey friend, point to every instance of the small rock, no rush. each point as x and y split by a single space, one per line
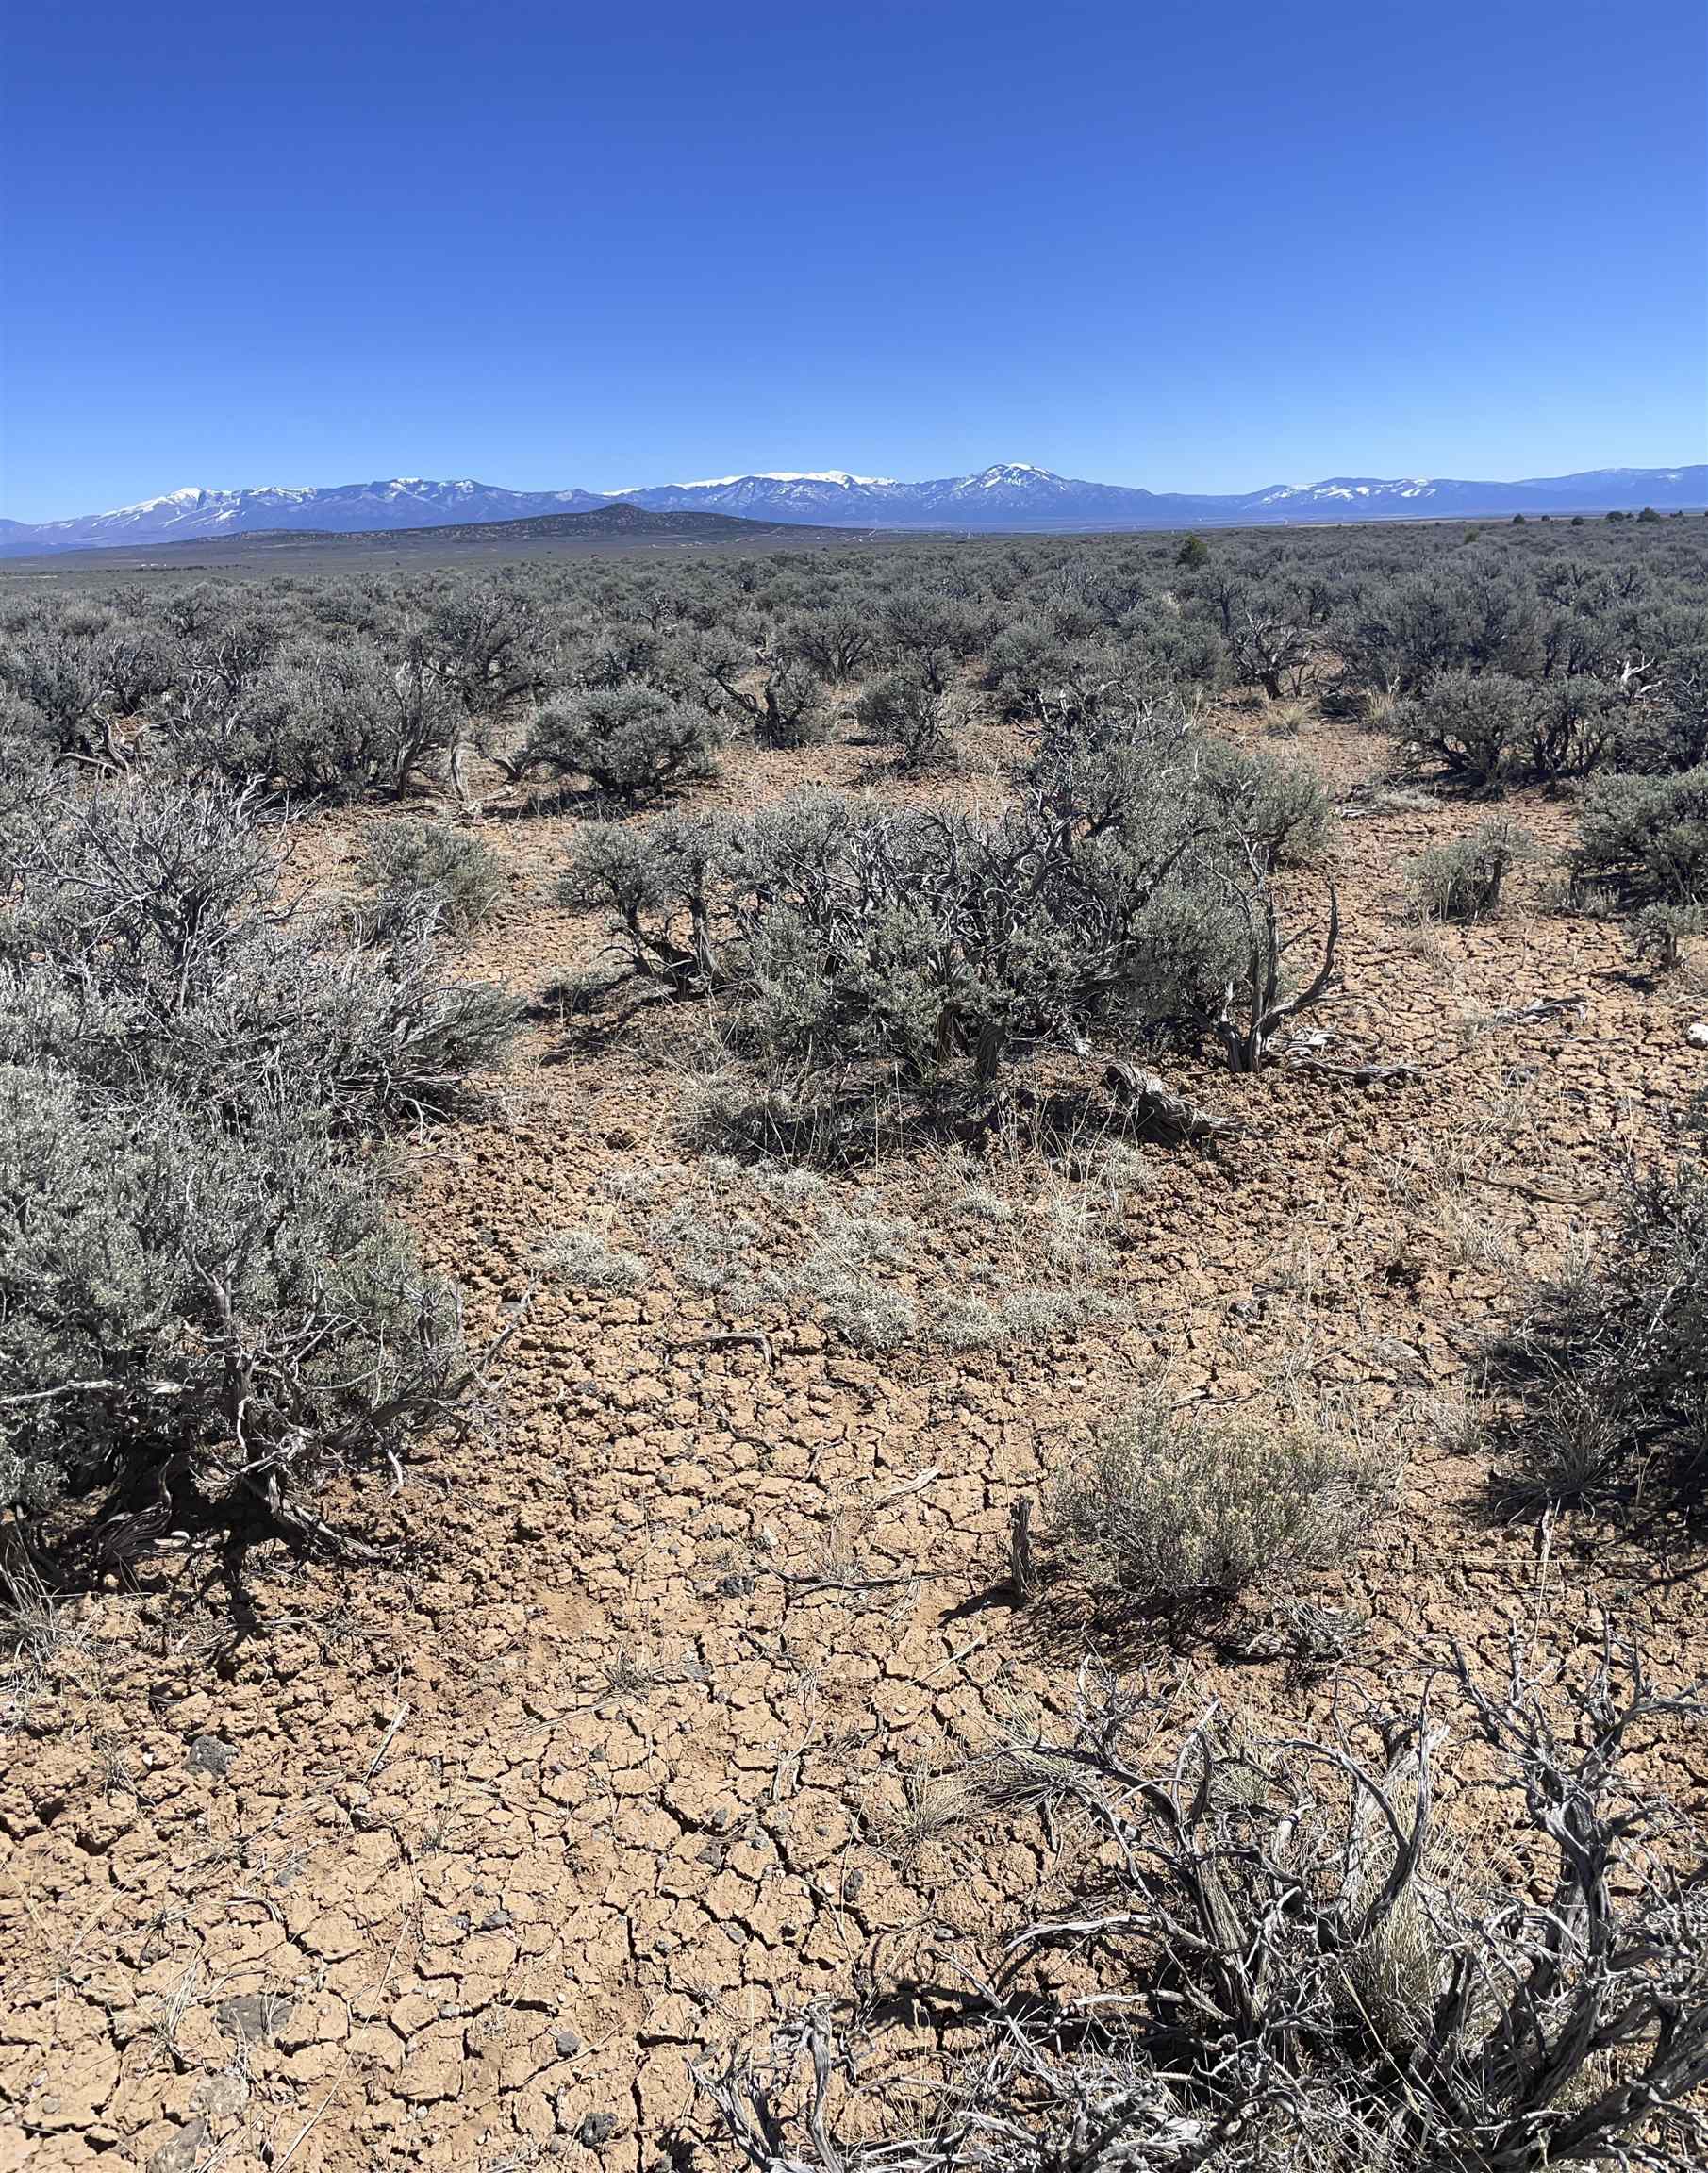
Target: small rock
257 2016
211 1754
568 2042
596 2130
1698 1036
220 2097
181 2153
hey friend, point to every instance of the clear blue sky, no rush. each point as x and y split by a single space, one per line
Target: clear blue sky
1183 245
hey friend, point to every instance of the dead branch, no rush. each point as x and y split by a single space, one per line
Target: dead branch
1154 1107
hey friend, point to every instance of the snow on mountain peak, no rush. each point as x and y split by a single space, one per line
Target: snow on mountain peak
1007 495
1001 471
839 475
191 494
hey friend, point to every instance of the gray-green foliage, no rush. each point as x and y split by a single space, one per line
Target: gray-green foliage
1104 900
200 1285
450 872
1659 932
1122 890
1476 724
631 743
1648 836
1463 880
1609 1358
1176 1513
181 1301
325 718
902 712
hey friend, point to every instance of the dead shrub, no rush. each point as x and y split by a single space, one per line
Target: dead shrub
1291 1965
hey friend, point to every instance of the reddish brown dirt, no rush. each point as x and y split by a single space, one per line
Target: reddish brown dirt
462 1861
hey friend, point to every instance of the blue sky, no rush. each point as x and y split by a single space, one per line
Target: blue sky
543 244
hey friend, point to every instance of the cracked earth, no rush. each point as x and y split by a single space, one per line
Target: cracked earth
464 1860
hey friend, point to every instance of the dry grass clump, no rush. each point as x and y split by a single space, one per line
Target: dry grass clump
587 1260
1177 1512
756 1236
44 1642
964 1321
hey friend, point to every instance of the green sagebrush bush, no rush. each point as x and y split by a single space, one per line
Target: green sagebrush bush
323 718
631 743
1477 725
1646 837
184 1303
1464 880
1475 614
433 866
1608 1360
781 695
902 712
1128 889
201 1289
145 947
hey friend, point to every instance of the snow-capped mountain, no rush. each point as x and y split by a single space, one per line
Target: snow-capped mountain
405 502
1594 491
1012 495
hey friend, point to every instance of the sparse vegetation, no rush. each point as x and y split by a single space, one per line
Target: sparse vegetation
1607 1362
1305 1965
1177 1512
1463 881
936 1030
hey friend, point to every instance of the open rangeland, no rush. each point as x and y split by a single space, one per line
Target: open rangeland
656 1698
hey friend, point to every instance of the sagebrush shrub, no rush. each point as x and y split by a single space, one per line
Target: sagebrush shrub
587 1260
143 949
631 743
1297 1962
1659 934
1128 886
183 1307
1177 1512
203 1297
835 640
780 693
1463 880
902 712
1608 1360
1478 724
1474 615
410 864
1647 836
321 719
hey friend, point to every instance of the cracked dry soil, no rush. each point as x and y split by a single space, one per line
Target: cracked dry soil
462 1861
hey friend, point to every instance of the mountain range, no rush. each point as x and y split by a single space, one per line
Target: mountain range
1011 495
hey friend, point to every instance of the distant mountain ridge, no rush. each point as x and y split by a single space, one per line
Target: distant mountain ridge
1010 495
